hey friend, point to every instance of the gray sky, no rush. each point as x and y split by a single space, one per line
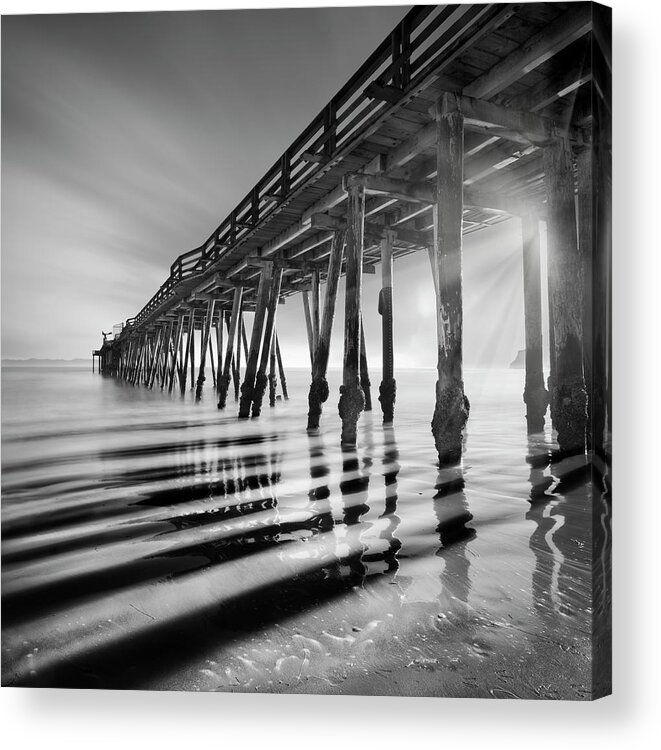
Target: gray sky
126 138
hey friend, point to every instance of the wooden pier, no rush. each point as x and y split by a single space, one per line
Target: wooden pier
464 117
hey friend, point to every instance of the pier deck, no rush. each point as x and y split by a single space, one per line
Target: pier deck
464 117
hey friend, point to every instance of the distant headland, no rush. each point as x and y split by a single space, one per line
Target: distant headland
519 362
33 362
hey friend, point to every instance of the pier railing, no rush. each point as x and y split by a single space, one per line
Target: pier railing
424 37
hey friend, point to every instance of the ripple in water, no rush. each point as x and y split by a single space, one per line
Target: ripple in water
152 542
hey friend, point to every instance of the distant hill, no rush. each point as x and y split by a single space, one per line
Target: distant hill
519 362
32 362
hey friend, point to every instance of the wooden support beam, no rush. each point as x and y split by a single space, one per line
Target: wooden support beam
535 395
273 374
533 128
352 398
140 355
334 198
219 346
586 179
572 25
477 197
388 386
416 144
451 410
191 348
314 303
181 365
281 369
177 346
365 382
568 394
204 346
261 379
166 350
242 340
336 223
155 356
308 325
550 91
409 191
212 360
248 385
311 243
233 330
186 357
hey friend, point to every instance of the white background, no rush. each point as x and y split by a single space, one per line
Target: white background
97 719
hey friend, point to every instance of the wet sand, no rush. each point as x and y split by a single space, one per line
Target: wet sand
157 544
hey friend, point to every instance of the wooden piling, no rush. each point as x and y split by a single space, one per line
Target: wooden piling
451 410
535 395
586 181
352 398
308 325
365 382
273 373
212 360
314 302
388 386
565 282
186 357
224 379
177 347
248 385
236 366
219 347
319 387
165 354
191 349
156 355
261 379
204 345
281 369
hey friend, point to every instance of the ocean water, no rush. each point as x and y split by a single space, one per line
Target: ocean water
152 542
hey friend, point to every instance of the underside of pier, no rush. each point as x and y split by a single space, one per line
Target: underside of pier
465 116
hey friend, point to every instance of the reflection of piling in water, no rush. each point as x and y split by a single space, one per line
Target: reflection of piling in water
322 523
560 504
319 387
420 190
391 468
451 510
539 459
601 589
353 487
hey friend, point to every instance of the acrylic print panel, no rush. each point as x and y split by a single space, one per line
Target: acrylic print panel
358 441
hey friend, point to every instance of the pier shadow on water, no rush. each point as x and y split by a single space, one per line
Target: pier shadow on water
205 554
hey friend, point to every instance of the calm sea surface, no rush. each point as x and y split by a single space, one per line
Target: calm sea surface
152 542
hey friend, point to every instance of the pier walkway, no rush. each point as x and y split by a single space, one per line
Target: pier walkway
464 117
